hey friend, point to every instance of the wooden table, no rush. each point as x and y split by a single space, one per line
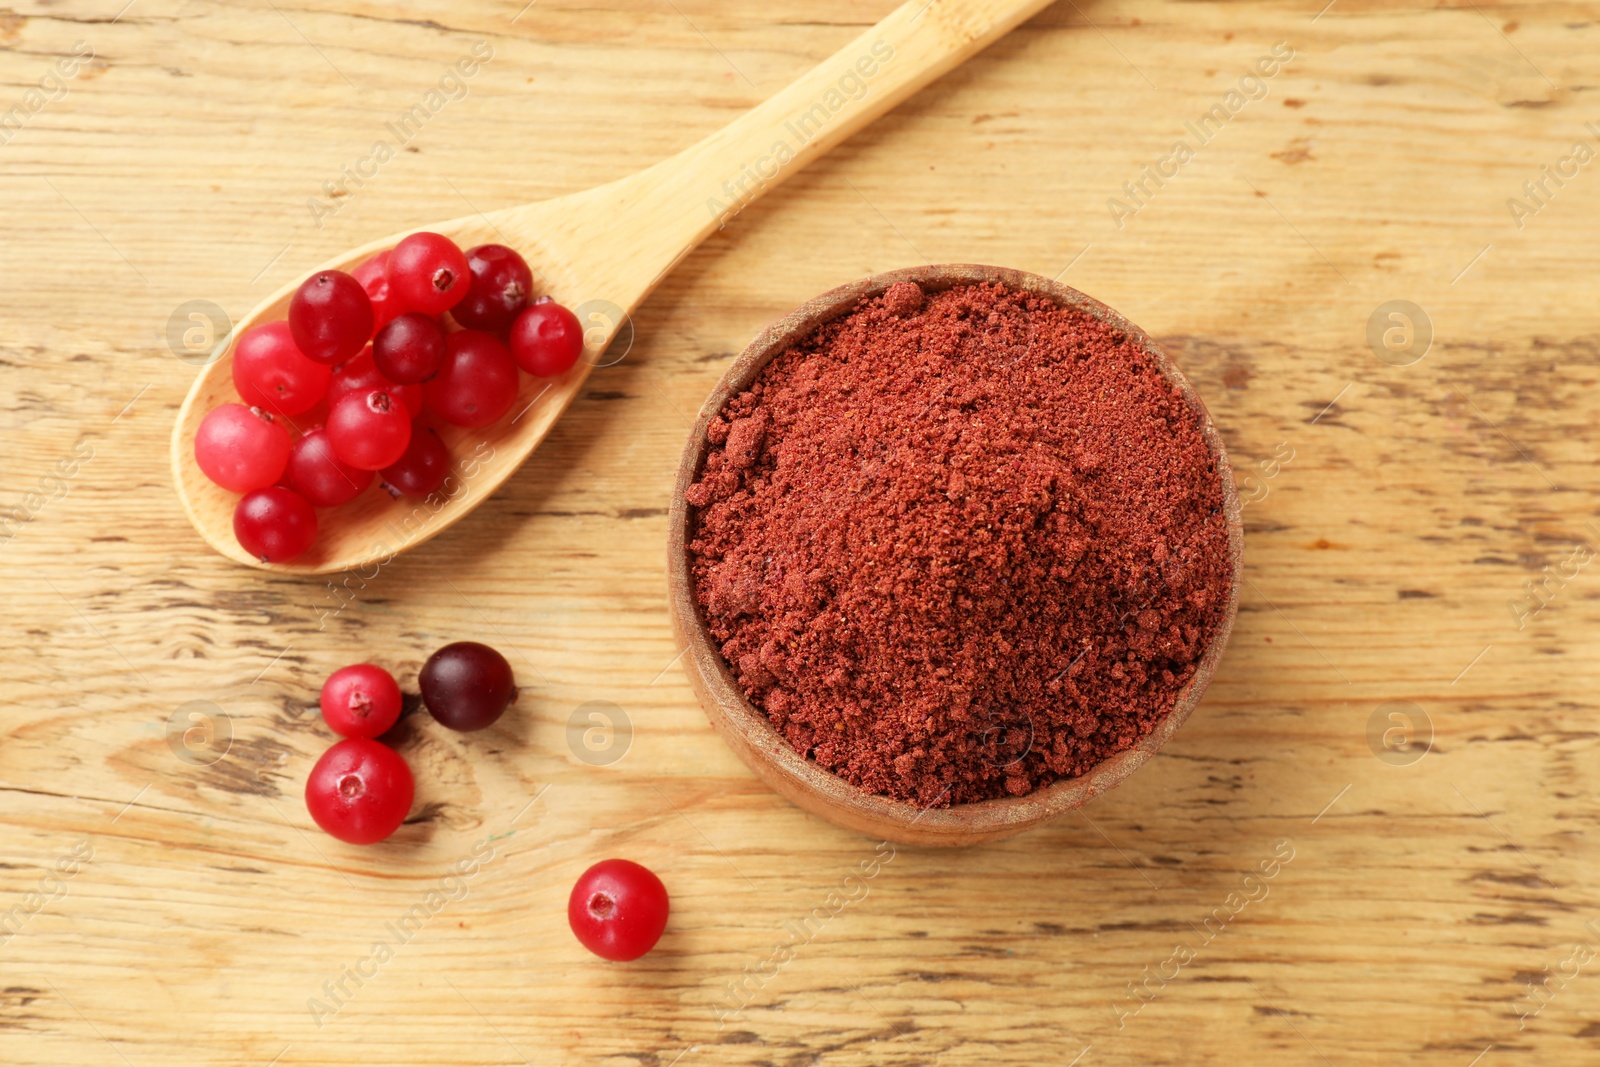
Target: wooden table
203 919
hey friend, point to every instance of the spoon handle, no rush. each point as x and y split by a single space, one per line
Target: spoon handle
682 200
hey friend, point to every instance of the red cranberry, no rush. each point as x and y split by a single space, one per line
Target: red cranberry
270 372
421 469
274 524
320 476
409 350
360 701
618 910
428 273
501 283
369 430
477 383
330 317
546 339
374 279
241 448
360 791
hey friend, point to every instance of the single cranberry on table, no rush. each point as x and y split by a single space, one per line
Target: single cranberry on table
546 339
362 374
409 349
467 686
501 284
360 791
370 429
374 279
421 469
428 273
241 448
362 700
274 524
477 383
321 477
270 372
618 910
330 317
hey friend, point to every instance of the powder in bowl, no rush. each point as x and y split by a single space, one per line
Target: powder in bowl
958 545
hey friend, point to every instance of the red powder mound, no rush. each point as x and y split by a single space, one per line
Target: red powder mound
957 546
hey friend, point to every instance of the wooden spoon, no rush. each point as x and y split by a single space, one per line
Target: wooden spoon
601 252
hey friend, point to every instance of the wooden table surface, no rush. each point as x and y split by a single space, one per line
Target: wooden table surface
165 899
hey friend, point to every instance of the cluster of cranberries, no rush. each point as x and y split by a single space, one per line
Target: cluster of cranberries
371 362
361 790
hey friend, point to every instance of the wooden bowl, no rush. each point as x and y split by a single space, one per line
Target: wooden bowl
753 737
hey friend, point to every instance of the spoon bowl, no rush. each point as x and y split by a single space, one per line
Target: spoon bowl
600 252
748 731
373 528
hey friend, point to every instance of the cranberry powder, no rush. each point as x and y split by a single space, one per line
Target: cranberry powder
960 545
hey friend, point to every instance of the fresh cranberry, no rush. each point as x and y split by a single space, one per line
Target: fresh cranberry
409 349
618 910
546 339
360 791
428 273
477 383
421 469
501 282
374 279
241 448
467 686
369 430
362 375
274 524
360 701
270 372
320 476
330 317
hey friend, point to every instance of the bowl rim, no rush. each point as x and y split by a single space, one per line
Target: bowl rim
760 745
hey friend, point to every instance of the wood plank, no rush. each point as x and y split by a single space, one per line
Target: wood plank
1421 899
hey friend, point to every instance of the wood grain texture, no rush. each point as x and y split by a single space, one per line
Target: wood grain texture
1383 560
